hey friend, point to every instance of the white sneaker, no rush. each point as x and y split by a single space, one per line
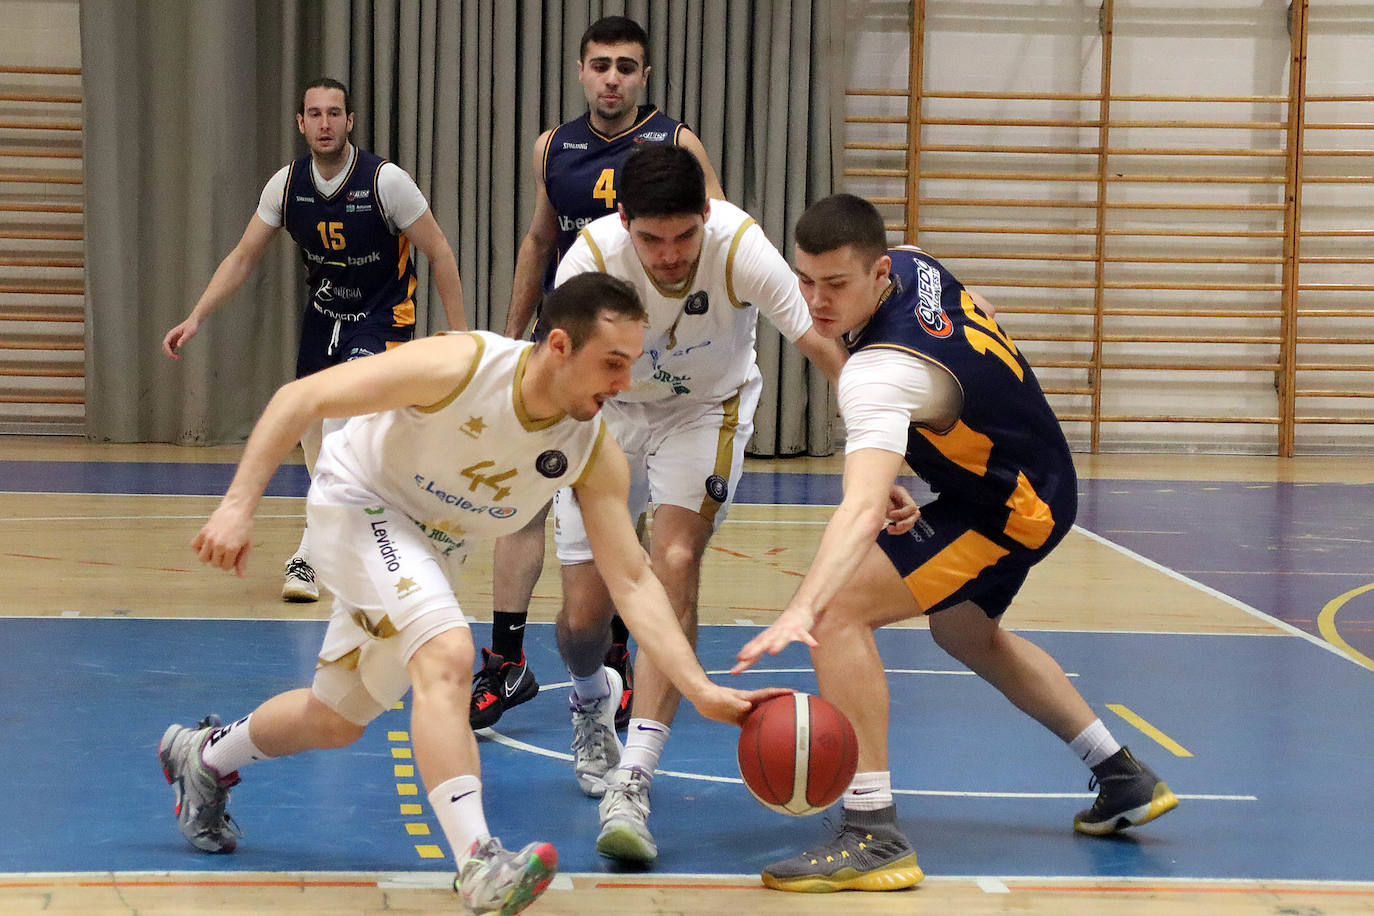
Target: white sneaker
624 817
492 880
595 745
300 581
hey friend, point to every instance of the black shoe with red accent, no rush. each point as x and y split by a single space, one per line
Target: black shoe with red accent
499 686
618 657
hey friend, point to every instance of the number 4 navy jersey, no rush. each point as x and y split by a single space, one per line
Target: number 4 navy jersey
356 266
581 165
1005 451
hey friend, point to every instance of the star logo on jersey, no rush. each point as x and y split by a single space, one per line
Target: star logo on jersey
474 427
406 586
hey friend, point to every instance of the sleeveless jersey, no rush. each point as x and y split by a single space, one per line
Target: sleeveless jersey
473 465
581 167
1006 451
355 266
699 344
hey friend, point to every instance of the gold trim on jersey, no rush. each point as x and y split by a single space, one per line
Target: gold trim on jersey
591 456
653 110
595 249
518 400
730 264
725 454
458 389
962 445
952 568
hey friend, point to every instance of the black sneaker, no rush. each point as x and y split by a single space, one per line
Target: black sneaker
499 686
1129 793
869 853
618 658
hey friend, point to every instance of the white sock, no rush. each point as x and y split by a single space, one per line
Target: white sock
303 551
1094 744
231 748
869 791
644 745
457 803
591 688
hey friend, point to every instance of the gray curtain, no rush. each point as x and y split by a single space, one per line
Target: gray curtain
190 107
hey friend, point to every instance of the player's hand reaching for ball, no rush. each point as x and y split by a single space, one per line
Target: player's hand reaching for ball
726 704
793 626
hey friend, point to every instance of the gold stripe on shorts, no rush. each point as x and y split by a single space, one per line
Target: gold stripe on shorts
725 454
952 568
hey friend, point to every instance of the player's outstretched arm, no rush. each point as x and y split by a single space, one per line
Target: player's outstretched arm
869 477
638 595
231 274
417 373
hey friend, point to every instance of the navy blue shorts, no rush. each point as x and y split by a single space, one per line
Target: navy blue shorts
959 552
373 334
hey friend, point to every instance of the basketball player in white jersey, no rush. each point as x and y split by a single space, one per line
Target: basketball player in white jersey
451 438
705 272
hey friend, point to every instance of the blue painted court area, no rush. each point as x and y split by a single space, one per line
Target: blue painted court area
1276 787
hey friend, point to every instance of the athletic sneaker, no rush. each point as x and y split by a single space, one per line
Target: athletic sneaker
868 854
624 814
499 686
618 659
300 581
202 794
1129 793
595 746
492 880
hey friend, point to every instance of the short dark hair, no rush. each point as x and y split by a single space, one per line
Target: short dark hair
325 82
664 180
615 30
840 220
577 304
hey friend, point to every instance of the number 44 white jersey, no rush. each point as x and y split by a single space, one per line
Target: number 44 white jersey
474 465
700 340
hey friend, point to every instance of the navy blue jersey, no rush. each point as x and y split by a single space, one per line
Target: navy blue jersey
356 267
1005 453
580 168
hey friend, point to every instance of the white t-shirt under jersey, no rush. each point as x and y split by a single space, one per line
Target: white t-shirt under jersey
401 199
882 392
700 341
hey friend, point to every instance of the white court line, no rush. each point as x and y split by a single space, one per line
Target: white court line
990 885
1220 596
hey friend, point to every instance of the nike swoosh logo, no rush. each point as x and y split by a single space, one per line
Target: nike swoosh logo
516 626
463 796
864 791
509 690
645 728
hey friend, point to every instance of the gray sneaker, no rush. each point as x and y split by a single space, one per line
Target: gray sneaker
624 817
1129 793
595 745
202 795
299 584
869 853
492 880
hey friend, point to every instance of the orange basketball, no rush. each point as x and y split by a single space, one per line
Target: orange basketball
797 754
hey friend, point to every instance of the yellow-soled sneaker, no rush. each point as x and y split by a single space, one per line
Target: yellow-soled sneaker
869 853
1128 794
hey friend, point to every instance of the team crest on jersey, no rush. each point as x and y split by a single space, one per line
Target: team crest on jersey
697 303
929 311
552 463
717 488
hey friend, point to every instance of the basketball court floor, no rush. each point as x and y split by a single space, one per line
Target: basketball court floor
1217 612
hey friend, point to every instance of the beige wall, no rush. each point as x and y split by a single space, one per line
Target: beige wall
40 33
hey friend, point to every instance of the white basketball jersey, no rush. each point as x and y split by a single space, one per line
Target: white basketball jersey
473 465
700 341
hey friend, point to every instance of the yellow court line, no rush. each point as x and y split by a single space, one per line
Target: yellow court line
1326 623
1168 743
